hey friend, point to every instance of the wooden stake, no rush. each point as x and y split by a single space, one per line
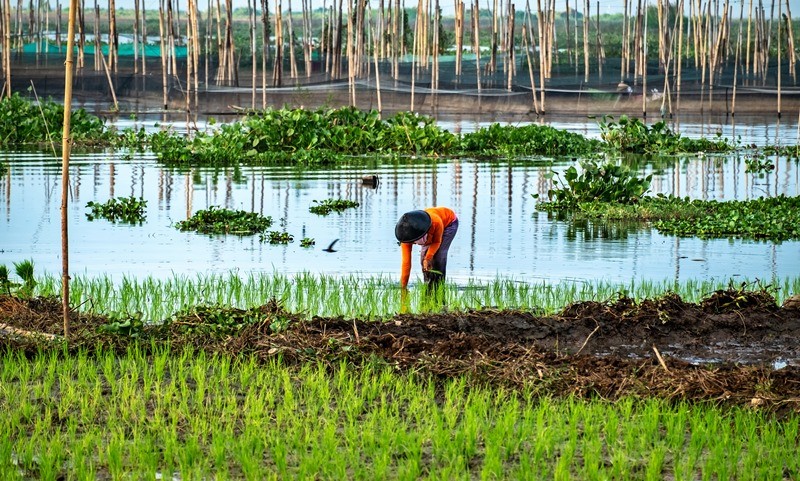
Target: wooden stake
66 145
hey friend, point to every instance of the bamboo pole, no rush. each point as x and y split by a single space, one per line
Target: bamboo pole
747 44
135 38
251 16
527 39
736 61
780 47
164 63
144 39
680 56
66 145
586 16
264 50
290 31
476 44
277 68
7 47
113 37
790 47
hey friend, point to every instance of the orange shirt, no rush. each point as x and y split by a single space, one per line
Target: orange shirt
441 217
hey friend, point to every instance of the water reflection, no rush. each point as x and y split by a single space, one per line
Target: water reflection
501 231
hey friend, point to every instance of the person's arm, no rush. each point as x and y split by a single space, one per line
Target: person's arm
405 264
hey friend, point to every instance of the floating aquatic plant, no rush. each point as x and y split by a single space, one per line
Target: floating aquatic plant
130 210
215 220
327 206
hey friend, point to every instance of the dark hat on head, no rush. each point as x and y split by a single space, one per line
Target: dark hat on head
412 226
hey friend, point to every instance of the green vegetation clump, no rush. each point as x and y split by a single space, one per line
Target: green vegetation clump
277 237
24 122
327 206
526 140
225 221
772 218
633 135
125 209
307 242
307 137
3 169
596 182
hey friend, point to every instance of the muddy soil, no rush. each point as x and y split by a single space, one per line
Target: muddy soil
734 347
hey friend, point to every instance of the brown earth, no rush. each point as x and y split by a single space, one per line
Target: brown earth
734 347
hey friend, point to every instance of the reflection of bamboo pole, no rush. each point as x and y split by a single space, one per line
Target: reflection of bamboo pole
66 145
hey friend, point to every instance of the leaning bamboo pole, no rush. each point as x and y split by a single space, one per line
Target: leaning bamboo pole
790 39
527 40
66 145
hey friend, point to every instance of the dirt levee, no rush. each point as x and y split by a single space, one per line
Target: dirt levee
734 347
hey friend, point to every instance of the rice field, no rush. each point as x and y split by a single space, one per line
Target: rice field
155 413
354 296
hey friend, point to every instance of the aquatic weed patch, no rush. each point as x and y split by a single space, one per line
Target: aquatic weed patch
326 206
767 218
510 140
130 210
26 122
215 220
630 134
596 182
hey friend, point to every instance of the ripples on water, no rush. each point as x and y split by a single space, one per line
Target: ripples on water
500 234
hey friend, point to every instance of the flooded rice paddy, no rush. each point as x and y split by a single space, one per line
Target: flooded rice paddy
501 233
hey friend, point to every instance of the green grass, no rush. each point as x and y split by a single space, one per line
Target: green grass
153 411
355 296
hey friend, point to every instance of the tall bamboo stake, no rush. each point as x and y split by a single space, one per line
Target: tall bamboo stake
264 50
790 47
586 16
7 47
736 61
162 40
66 145
251 16
780 47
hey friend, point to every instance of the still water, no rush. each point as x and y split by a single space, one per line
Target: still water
501 233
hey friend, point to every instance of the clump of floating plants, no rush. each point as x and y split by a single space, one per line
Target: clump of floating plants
277 237
25 122
215 220
613 193
633 135
325 207
531 139
307 242
130 210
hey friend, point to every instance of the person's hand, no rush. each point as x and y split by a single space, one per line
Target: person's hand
426 265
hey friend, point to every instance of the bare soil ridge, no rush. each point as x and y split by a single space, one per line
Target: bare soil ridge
733 347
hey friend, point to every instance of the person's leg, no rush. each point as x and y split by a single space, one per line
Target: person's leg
439 261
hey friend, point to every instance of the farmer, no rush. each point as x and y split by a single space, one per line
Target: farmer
433 229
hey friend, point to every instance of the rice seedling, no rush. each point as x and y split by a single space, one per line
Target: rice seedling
129 299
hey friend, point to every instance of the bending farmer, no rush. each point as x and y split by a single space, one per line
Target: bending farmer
433 229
